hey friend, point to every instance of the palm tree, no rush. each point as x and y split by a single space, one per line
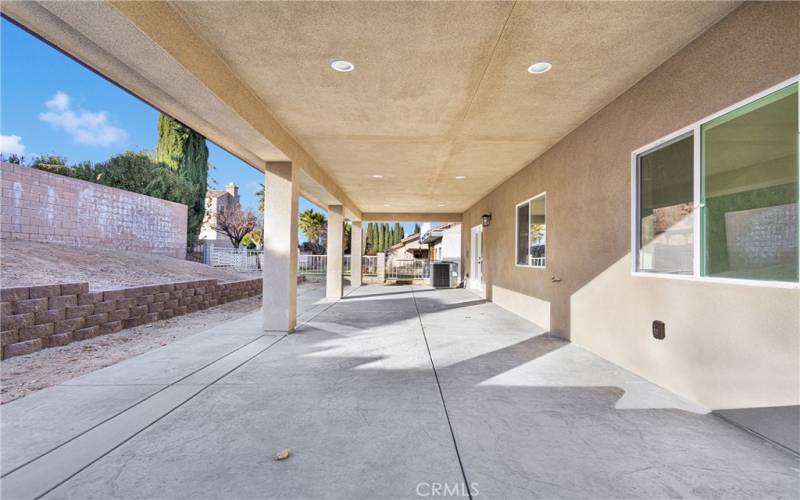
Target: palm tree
312 224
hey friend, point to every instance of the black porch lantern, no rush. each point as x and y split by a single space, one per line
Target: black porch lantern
486 219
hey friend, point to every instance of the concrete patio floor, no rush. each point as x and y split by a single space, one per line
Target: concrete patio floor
354 394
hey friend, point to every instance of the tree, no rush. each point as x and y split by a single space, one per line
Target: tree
236 223
185 151
368 239
132 171
375 240
261 195
398 233
15 159
254 239
381 238
348 234
312 224
417 229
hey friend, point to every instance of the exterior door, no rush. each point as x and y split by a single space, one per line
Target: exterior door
476 261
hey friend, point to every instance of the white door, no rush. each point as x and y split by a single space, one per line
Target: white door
476 260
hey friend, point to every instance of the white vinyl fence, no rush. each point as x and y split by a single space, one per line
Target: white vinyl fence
251 260
238 258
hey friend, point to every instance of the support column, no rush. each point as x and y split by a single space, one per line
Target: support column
356 249
381 267
280 247
333 282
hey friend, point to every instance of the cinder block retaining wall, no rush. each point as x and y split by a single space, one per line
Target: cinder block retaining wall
41 206
33 318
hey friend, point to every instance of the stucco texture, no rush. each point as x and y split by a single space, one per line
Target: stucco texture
727 345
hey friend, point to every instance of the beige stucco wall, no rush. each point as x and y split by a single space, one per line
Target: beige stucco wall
727 345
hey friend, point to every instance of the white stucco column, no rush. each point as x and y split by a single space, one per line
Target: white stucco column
280 247
333 282
356 248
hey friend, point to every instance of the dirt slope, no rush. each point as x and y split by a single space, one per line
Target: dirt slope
27 263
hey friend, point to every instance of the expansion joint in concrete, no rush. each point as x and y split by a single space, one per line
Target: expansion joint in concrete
467 487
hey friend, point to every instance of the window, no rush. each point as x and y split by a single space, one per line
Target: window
531 232
666 227
720 201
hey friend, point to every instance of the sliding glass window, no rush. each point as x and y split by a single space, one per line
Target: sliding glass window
750 190
721 200
666 228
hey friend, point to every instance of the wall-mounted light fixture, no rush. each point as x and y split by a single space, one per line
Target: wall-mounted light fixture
486 219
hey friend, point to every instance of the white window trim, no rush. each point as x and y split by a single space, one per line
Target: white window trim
693 130
516 231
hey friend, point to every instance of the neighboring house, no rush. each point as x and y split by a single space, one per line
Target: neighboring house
216 203
443 241
409 247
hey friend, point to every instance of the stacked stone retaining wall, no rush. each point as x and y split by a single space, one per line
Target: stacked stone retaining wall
37 317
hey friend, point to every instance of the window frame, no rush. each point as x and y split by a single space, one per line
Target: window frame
694 131
543 194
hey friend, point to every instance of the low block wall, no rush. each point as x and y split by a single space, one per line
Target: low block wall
42 206
33 318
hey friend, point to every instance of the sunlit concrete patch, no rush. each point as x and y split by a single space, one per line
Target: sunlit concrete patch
571 366
535 416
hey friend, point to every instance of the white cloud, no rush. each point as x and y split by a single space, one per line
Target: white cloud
59 102
11 145
84 126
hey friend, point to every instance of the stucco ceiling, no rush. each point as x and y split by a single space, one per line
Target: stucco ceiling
440 89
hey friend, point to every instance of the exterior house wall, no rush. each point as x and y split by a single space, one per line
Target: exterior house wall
727 345
42 206
451 243
406 249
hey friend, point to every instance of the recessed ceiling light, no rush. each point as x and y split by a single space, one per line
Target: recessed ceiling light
377 176
459 177
441 204
385 204
343 66
539 68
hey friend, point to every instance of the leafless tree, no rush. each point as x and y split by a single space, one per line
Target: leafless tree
236 223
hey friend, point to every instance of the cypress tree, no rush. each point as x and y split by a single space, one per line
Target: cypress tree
392 236
185 151
417 229
382 238
387 238
368 239
397 236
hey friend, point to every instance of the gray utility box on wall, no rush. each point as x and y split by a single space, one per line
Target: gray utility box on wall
444 274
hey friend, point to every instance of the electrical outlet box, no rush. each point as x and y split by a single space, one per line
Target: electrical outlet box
659 330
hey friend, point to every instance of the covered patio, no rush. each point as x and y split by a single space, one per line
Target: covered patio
592 336
390 392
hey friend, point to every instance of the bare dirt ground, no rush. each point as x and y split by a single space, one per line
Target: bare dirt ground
22 375
28 263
